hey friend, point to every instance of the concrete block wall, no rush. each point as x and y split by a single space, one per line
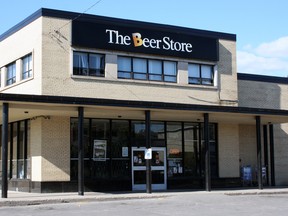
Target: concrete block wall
265 95
228 150
50 149
227 69
281 152
271 96
248 145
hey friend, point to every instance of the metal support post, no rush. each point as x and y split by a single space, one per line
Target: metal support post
259 152
5 114
80 151
207 153
148 145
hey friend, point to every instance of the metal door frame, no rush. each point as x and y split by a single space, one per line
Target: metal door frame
136 187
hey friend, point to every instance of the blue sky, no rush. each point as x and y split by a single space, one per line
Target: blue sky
260 25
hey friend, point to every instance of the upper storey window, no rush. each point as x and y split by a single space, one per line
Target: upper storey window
147 69
88 64
11 74
201 74
27 66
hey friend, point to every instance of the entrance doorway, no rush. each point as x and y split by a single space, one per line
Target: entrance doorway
158 168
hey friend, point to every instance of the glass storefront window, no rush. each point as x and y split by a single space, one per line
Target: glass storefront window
74 147
14 150
120 149
18 150
191 145
174 140
100 132
120 139
138 133
157 134
74 138
20 154
107 149
213 149
100 129
174 149
113 140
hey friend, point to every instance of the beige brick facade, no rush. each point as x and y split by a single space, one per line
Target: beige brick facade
50 149
228 149
49 40
58 80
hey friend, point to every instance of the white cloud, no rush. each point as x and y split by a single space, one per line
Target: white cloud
269 58
277 48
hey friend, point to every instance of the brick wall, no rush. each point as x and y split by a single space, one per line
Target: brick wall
57 75
228 150
271 96
50 149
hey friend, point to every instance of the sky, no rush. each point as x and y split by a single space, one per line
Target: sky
260 25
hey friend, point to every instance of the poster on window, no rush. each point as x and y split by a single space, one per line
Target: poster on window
99 150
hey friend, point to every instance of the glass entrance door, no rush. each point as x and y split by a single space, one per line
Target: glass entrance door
158 168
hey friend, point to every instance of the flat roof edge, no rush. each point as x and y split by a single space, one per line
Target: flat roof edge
262 78
89 17
21 24
80 101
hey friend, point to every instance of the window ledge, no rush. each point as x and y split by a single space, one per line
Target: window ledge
16 84
144 82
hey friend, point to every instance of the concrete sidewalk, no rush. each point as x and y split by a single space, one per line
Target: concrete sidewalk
26 199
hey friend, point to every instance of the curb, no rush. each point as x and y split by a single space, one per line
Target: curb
27 202
256 193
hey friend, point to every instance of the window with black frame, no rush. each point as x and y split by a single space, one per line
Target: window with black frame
200 74
19 157
147 69
27 67
88 64
11 74
174 141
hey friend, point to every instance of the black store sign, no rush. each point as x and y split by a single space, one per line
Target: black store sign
135 39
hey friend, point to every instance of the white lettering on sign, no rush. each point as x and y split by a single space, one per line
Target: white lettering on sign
115 37
165 43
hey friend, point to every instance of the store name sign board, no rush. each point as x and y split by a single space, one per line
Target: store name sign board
141 39
165 43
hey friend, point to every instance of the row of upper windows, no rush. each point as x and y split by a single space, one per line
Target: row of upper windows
91 64
11 70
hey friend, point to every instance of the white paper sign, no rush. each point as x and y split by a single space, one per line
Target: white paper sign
100 149
125 152
148 154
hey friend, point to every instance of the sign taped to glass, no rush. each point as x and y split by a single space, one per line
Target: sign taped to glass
99 150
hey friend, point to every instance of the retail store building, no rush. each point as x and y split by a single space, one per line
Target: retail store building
118 87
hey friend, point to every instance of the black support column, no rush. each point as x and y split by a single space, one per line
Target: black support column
266 153
259 152
80 151
272 161
207 153
5 114
148 145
